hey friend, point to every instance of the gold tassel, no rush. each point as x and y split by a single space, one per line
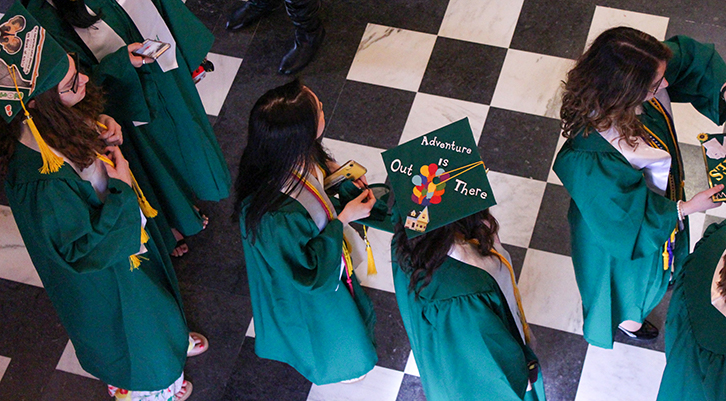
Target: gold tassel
371 262
135 262
51 162
144 236
144 205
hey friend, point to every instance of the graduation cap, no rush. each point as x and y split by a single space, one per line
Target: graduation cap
438 178
31 62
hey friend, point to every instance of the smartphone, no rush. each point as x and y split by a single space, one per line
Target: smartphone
351 170
151 48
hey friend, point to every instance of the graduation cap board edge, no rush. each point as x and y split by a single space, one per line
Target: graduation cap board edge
714 155
438 178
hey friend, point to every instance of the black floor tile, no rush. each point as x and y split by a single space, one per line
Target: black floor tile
411 389
518 143
223 318
517 254
257 379
69 387
369 115
559 30
552 231
416 15
31 336
391 339
463 70
713 31
561 356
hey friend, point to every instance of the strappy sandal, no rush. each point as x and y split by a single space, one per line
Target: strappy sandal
201 344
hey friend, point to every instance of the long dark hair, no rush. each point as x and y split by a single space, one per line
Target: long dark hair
70 130
609 81
75 13
282 135
422 255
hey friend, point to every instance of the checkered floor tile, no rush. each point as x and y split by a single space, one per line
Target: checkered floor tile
387 72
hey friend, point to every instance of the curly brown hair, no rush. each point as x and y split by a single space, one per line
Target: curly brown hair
609 81
421 256
722 280
70 130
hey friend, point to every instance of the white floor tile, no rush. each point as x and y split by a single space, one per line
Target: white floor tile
411 368
251 329
16 265
549 291
518 200
430 112
625 373
69 362
489 22
696 223
605 18
552 178
689 123
213 89
392 57
367 156
4 361
718 211
531 83
381 246
380 384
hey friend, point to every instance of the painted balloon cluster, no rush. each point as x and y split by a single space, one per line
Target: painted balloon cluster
426 191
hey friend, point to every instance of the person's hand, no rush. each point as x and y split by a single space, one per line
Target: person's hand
112 135
137 61
702 201
121 170
358 208
361 182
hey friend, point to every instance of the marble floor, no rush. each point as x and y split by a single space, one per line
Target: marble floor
389 71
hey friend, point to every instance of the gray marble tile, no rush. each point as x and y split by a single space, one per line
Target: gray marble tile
552 230
488 22
379 384
411 389
214 87
549 292
561 356
531 83
605 18
431 112
16 264
392 57
624 371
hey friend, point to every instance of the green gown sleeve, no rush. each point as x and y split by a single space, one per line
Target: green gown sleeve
84 238
695 75
627 219
193 39
116 74
485 355
290 243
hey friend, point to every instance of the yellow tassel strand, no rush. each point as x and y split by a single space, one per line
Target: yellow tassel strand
371 262
135 261
51 162
144 205
144 236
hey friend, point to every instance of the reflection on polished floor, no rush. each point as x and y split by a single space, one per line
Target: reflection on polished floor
389 71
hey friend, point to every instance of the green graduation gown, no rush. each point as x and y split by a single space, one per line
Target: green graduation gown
463 336
304 315
177 150
618 226
127 326
695 330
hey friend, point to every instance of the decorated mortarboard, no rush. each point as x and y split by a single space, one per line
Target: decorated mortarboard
438 178
714 155
31 62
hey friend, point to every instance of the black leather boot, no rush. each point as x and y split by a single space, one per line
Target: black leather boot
250 13
306 44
